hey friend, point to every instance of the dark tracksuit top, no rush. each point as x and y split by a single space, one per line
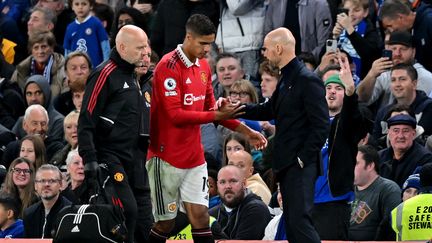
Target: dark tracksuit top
110 119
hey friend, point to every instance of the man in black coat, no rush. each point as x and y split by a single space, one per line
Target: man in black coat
300 110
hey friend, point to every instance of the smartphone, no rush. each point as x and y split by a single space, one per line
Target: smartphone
343 10
387 53
331 45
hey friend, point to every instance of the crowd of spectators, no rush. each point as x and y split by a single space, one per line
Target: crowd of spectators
380 114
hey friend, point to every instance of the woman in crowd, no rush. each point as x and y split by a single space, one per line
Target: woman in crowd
76 189
42 60
19 183
70 125
244 92
33 149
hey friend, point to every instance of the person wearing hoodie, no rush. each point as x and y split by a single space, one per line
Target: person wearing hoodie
242 214
37 91
404 89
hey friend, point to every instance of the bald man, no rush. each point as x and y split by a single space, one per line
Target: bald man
244 161
299 108
110 118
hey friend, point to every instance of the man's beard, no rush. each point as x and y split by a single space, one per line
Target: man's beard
49 197
235 201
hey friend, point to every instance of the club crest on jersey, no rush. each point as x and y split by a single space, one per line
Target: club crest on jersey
88 31
170 84
172 207
118 177
147 96
203 77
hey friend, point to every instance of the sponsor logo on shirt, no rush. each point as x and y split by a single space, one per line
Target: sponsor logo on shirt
189 99
171 93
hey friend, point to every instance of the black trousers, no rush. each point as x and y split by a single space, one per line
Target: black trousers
145 219
126 196
297 189
331 219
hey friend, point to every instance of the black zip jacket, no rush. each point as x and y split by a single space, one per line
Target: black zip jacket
36 225
347 129
111 114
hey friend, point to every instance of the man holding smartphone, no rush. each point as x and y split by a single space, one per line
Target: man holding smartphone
376 84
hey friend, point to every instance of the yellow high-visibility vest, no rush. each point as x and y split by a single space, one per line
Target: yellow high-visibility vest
412 219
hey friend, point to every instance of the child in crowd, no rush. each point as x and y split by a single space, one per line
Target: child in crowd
86 33
357 35
77 89
10 225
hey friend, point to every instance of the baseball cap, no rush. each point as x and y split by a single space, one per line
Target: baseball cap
402 38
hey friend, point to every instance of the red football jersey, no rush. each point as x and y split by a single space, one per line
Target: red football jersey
182 99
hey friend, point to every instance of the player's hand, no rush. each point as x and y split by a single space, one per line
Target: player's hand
257 140
218 103
229 110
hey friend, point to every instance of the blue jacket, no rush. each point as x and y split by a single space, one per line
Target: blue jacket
16 230
422 30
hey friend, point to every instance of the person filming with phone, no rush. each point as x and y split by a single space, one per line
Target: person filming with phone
357 35
375 87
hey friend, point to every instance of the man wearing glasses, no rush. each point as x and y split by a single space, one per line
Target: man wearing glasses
39 218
